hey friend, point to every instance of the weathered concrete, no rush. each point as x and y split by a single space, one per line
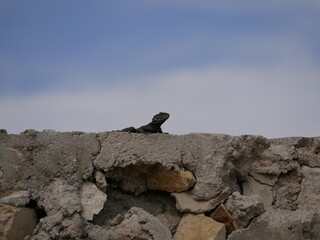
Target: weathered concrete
252 187
244 208
101 181
47 171
17 199
309 196
138 224
187 203
287 190
278 224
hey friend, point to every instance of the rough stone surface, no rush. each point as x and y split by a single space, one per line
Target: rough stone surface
309 196
275 160
252 187
17 199
170 219
158 204
199 227
244 208
308 151
277 224
287 189
92 200
138 224
101 181
263 159
46 171
267 179
119 203
142 155
170 181
16 223
185 202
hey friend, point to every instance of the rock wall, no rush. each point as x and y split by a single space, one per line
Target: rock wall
115 185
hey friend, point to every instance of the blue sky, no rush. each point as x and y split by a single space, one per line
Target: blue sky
234 67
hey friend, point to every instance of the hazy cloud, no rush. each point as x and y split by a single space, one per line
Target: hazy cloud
235 67
244 6
271 102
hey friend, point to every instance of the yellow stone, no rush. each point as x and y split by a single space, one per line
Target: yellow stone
199 227
171 181
16 223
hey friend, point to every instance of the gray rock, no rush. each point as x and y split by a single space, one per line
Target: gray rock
127 158
170 219
60 197
32 161
132 156
286 190
101 181
263 159
140 225
308 151
275 160
244 151
17 199
244 208
96 232
252 187
92 200
212 170
119 202
309 196
281 225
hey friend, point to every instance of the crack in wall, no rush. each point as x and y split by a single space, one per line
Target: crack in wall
270 185
100 147
305 165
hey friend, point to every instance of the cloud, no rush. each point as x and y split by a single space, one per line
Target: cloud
243 6
268 101
245 50
250 69
286 34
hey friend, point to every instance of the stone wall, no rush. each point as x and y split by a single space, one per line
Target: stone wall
115 185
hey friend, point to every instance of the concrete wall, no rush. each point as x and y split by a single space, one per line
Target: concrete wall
115 185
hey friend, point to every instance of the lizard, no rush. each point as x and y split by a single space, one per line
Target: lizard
153 127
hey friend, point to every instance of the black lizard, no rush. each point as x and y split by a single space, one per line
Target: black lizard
153 127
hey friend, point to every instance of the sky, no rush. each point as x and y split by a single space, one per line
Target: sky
232 67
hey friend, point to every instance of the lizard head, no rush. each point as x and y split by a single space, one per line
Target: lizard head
160 118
